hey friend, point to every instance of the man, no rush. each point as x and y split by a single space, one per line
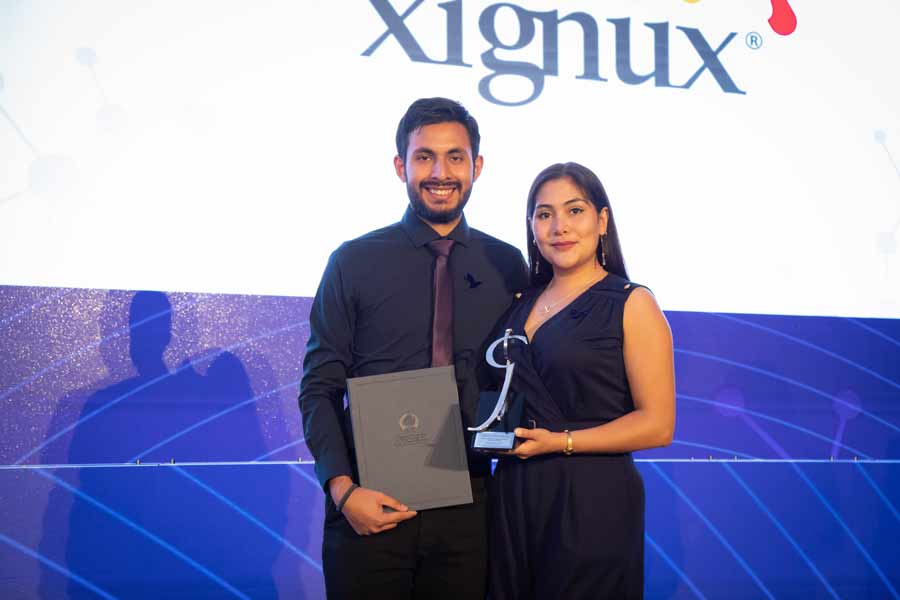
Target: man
373 314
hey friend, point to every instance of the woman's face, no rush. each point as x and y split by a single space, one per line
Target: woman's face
566 225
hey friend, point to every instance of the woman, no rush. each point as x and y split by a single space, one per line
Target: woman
598 381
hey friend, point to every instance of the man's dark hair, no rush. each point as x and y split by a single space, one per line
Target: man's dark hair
429 111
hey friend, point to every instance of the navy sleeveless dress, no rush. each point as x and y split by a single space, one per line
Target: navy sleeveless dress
569 526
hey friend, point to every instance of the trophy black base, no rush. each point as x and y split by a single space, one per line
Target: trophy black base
499 437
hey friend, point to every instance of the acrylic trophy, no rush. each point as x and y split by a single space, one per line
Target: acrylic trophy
501 412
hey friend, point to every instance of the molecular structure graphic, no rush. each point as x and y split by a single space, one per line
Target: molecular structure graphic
51 174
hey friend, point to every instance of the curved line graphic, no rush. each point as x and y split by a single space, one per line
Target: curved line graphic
211 418
874 331
277 450
151 383
843 524
307 477
40 303
231 504
60 362
55 566
790 381
674 567
762 506
714 531
811 346
766 417
881 494
151 536
849 533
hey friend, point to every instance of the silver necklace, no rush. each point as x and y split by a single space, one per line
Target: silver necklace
548 307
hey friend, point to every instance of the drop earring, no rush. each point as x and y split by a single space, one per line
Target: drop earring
603 250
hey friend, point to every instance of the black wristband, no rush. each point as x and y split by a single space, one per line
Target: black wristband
343 500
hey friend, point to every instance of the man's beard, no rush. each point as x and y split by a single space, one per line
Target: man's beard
447 215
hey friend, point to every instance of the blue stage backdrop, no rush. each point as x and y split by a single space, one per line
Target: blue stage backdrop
217 152
200 389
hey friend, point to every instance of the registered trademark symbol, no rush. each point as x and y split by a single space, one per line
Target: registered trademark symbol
754 40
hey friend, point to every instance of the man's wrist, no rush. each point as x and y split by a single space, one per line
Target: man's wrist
338 486
346 496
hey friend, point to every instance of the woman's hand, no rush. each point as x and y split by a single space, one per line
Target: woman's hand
538 441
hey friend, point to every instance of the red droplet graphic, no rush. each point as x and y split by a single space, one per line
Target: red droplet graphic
783 19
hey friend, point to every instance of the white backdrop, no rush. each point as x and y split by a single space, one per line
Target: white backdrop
231 146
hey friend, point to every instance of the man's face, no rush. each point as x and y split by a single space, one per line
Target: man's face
439 171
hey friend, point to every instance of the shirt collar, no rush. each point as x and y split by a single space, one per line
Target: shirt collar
420 233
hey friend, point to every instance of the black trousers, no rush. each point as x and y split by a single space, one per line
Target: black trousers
439 553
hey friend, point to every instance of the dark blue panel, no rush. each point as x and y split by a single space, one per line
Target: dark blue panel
96 376
170 531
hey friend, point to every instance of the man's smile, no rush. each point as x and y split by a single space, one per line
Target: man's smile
440 191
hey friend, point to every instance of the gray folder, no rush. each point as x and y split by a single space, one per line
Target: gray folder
409 437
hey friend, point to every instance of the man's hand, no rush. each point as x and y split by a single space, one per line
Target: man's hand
364 509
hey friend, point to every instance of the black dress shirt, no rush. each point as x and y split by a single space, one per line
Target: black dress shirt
372 314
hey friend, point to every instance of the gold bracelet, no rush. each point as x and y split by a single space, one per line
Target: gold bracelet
569 448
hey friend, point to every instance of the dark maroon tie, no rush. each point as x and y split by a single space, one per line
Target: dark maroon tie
442 327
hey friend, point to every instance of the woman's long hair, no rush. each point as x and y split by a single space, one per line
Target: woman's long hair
590 185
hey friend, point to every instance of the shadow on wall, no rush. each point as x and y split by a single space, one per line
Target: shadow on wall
152 532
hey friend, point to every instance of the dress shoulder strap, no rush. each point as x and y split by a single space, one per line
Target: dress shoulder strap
615 285
630 286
